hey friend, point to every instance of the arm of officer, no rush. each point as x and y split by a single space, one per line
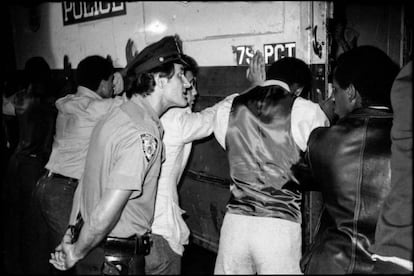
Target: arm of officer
102 220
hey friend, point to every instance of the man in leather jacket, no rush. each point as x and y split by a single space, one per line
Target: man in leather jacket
351 163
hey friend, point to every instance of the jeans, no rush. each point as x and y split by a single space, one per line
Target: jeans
55 197
162 260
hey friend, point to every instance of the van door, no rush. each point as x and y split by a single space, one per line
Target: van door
223 39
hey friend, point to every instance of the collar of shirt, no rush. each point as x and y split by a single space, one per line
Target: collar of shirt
276 82
140 101
84 91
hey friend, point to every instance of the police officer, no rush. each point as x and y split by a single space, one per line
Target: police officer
115 197
77 116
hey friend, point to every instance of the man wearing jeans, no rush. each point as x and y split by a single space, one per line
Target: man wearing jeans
77 116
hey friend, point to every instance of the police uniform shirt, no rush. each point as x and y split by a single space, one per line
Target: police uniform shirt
125 152
77 116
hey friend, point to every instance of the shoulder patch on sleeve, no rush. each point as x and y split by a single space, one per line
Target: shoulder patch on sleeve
149 145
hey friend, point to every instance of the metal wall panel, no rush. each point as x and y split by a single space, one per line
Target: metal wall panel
209 30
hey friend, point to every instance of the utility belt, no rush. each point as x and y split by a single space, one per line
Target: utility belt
56 175
118 251
139 245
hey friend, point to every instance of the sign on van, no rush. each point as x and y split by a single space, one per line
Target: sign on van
81 11
271 52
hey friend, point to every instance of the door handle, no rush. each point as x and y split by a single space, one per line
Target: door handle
317 46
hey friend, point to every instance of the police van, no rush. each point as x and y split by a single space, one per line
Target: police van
222 37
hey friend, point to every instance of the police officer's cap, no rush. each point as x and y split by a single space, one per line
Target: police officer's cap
163 51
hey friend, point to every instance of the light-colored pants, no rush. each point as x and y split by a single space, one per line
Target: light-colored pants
261 245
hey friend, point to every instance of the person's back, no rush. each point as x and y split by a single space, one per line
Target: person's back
35 117
261 152
351 163
263 132
77 116
36 127
117 138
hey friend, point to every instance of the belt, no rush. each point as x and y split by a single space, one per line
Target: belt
52 174
139 245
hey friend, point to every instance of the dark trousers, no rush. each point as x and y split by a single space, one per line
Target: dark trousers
23 236
55 198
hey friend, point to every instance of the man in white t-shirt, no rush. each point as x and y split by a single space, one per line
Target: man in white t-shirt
181 127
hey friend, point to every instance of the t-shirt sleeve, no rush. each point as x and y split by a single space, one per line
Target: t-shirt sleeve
221 120
306 116
132 160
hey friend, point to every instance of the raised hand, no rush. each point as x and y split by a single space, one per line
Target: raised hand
130 51
256 72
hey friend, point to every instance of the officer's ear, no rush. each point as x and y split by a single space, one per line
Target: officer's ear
101 90
160 81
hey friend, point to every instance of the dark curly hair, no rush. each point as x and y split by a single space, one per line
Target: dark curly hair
291 70
37 73
92 70
144 83
370 70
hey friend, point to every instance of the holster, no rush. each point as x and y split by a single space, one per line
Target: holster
120 251
139 245
75 229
